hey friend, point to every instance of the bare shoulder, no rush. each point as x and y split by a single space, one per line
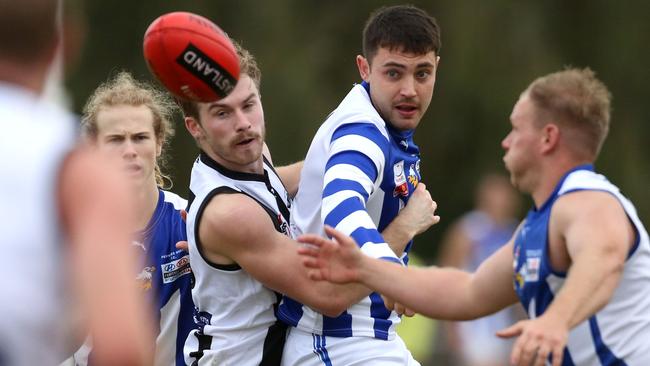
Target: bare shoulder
591 216
235 220
587 205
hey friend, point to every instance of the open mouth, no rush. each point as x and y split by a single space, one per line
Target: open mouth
245 142
406 110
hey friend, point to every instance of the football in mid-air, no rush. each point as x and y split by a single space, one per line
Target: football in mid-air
191 56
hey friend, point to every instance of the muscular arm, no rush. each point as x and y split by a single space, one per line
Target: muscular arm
590 235
598 236
237 228
441 293
95 213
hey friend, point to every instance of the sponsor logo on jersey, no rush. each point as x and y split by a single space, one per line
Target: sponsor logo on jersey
171 271
401 185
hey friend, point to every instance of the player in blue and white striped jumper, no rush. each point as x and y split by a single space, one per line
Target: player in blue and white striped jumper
360 170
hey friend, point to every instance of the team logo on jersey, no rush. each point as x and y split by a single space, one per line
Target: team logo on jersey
284 226
401 186
519 275
144 278
171 271
413 176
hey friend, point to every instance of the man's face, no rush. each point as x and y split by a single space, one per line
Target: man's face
126 133
401 85
231 130
522 144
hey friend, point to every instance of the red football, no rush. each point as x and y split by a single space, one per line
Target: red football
191 56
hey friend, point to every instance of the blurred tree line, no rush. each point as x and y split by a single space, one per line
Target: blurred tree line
491 51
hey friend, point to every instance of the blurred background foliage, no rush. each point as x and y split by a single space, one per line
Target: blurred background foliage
491 51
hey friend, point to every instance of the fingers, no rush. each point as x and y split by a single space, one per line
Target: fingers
526 352
338 236
541 355
512 331
311 239
558 354
399 308
182 245
389 303
184 215
315 274
308 250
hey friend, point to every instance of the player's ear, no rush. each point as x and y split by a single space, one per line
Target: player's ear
193 127
364 67
550 137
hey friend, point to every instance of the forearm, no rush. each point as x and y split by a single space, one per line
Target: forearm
398 236
428 291
333 299
590 283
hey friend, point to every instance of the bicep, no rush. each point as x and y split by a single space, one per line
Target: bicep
240 229
593 221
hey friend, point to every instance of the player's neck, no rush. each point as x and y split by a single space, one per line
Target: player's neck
550 176
31 78
146 200
255 167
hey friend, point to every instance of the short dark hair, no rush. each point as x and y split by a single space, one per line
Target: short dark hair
28 29
247 66
402 27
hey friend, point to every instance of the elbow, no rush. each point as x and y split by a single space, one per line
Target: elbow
333 306
333 311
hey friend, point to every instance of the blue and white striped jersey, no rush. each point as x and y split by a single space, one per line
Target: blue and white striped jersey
617 334
358 173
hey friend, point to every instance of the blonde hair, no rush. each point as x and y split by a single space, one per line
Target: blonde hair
576 99
123 89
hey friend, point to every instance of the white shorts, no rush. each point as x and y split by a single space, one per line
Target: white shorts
307 349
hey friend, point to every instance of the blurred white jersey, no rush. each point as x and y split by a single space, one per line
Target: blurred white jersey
35 139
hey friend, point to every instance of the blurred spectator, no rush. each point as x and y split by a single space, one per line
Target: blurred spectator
469 241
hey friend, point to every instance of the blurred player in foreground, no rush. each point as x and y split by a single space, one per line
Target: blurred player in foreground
65 236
